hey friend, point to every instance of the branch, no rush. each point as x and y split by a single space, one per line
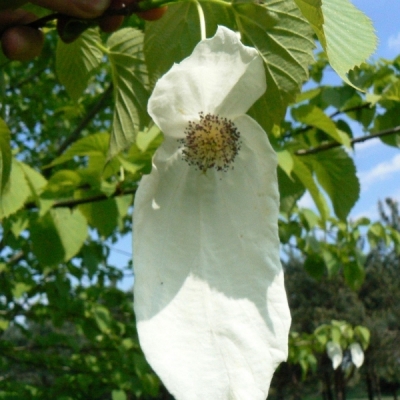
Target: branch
89 116
70 203
331 145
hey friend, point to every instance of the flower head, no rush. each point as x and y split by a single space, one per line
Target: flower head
211 308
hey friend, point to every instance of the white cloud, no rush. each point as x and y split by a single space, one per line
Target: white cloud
394 42
367 145
380 172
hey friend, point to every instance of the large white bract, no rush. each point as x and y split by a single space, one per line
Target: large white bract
210 303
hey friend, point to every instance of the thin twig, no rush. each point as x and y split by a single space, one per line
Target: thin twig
70 203
331 145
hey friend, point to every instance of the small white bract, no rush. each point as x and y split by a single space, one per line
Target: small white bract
210 303
335 353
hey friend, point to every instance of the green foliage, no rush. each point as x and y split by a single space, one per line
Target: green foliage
76 140
349 40
77 61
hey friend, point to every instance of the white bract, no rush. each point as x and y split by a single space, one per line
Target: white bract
357 354
210 303
335 353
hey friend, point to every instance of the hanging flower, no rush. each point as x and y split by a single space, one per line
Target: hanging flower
210 303
357 354
335 353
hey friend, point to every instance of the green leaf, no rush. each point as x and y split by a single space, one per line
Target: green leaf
91 146
95 212
58 235
345 33
118 395
284 39
392 92
315 266
290 190
363 334
145 138
305 176
103 318
130 81
173 37
336 173
389 120
36 181
285 161
354 274
314 116
15 193
5 155
76 61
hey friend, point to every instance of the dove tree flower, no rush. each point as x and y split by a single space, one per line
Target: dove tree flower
211 308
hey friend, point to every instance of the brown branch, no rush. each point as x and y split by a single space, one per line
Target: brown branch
92 199
353 108
70 203
82 125
331 145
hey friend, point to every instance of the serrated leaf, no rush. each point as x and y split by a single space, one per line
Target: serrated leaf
75 62
345 33
336 173
15 193
58 235
92 145
130 81
305 176
313 116
5 155
173 37
284 39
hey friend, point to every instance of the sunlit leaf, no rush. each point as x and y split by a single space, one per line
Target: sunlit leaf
345 33
15 193
284 40
130 81
76 61
314 116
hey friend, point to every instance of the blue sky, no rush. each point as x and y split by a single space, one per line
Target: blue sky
378 165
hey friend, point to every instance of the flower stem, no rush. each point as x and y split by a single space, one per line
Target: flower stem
202 21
